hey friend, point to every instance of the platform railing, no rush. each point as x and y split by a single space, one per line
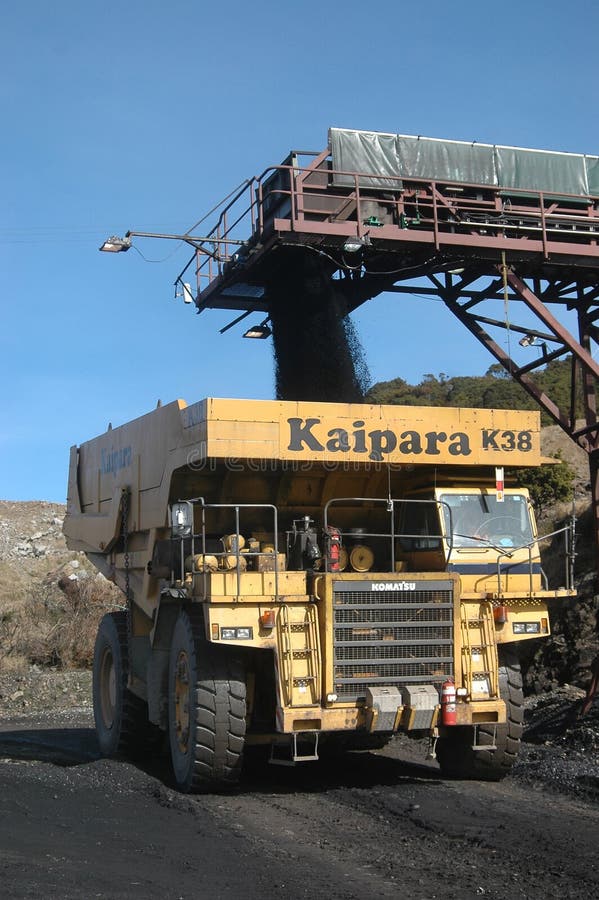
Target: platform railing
506 558
392 535
199 539
308 200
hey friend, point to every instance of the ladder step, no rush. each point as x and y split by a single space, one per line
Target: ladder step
477 746
295 753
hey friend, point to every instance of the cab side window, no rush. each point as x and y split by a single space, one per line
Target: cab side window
419 526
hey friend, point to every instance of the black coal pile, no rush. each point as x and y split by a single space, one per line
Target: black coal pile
560 749
318 356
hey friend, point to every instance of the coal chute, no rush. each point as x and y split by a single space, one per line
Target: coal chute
317 352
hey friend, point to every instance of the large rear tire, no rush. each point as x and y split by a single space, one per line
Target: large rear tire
207 709
121 718
456 757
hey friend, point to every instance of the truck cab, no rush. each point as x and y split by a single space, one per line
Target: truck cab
490 538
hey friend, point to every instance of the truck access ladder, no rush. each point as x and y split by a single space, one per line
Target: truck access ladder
299 656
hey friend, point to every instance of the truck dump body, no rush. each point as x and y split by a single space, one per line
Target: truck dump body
320 550
156 455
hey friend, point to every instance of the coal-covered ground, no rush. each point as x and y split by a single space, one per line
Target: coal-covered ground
561 748
382 825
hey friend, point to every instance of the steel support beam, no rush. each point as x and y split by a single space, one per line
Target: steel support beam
473 325
549 320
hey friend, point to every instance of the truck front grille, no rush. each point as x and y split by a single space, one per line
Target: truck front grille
391 633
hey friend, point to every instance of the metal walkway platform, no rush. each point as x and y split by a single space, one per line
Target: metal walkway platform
377 237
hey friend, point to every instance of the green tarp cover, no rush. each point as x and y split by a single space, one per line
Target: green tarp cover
421 157
366 151
383 159
593 175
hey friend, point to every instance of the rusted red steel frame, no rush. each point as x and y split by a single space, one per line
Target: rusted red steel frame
549 320
580 350
430 193
472 323
431 196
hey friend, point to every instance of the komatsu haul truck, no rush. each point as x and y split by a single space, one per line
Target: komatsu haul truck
311 577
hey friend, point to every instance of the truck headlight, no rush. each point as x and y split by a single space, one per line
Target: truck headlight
526 627
236 634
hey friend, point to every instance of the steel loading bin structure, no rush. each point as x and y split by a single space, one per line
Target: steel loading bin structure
304 574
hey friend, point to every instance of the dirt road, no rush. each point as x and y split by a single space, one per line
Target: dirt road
369 825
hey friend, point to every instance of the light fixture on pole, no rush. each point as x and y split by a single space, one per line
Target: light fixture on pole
534 340
116 244
528 340
259 332
355 244
217 248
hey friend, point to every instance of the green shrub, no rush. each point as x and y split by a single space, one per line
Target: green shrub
548 484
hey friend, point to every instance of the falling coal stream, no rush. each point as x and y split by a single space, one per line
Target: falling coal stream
318 356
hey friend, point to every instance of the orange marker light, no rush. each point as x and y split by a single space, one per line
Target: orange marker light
500 615
267 619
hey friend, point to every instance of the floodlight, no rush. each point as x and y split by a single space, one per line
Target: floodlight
528 340
116 244
259 332
354 244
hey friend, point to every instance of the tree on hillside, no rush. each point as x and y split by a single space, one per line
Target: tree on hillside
496 389
388 392
548 484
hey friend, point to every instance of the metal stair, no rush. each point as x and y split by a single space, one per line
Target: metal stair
478 634
299 657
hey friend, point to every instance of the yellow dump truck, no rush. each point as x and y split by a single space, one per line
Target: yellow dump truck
311 577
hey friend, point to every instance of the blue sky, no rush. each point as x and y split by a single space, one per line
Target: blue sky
145 114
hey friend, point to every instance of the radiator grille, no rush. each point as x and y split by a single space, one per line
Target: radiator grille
391 636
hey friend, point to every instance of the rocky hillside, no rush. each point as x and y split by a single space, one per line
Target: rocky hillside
30 530
50 598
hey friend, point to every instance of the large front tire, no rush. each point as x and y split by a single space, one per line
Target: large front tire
207 709
121 718
456 757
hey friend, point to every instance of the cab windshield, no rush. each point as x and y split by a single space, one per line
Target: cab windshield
478 520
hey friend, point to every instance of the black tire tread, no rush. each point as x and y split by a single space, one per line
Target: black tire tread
455 754
219 696
132 723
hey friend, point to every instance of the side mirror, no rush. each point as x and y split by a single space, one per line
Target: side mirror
181 519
